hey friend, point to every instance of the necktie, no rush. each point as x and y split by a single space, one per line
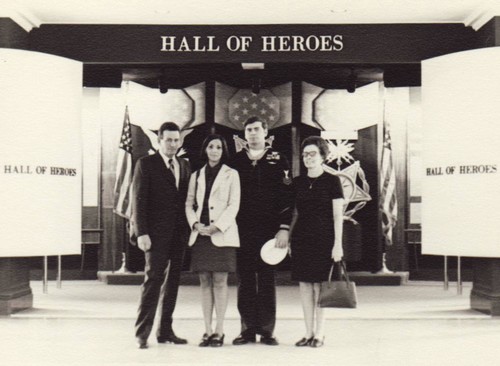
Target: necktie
171 166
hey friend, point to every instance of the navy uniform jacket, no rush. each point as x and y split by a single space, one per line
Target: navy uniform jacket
266 198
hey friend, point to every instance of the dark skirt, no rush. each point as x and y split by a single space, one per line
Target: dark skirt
206 257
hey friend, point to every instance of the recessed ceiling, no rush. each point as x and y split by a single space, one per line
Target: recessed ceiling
250 12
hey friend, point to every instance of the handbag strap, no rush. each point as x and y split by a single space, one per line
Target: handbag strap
331 272
343 272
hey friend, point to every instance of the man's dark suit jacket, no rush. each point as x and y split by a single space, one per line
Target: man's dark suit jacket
158 207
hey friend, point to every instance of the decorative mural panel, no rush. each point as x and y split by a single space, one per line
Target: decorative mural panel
234 106
148 109
339 110
245 104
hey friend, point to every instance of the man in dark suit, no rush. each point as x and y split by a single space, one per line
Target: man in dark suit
159 190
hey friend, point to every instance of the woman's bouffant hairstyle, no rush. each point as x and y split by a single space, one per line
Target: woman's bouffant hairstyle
322 145
225 151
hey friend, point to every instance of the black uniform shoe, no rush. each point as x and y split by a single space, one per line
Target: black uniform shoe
269 340
171 338
241 339
142 343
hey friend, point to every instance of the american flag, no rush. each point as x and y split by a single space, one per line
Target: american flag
388 199
245 104
122 202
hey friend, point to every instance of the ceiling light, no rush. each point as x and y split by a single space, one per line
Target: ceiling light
252 66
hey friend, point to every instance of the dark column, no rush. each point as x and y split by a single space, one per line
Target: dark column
12 35
489 34
15 290
485 294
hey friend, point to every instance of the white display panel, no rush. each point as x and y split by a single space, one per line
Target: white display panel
40 154
461 154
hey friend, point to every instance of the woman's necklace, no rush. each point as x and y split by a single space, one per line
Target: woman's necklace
313 179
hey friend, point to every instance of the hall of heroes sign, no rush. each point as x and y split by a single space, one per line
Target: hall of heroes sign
233 43
461 154
461 169
40 154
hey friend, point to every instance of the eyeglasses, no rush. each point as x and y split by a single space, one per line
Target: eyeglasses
312 154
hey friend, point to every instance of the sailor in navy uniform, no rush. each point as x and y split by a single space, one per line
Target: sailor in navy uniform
265 213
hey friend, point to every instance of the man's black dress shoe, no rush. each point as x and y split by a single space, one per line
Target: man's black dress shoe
142 343
171 338
241 339
269 340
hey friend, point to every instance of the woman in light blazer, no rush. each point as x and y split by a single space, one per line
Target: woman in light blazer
212 204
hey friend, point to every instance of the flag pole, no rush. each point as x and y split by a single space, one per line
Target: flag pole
123 183
388 204
113 245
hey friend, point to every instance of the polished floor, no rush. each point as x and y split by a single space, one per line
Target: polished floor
91 323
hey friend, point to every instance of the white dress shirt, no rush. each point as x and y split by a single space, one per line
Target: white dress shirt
177 167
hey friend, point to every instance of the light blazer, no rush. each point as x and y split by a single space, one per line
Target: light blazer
223 205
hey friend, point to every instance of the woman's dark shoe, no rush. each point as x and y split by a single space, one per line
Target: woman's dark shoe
205 340
316 342
216 340
304 342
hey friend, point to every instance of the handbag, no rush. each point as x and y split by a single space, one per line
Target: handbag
338 294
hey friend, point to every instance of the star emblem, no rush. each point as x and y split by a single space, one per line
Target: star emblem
340 151
244 104
353 193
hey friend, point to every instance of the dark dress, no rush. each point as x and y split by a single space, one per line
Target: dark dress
205 256
313 235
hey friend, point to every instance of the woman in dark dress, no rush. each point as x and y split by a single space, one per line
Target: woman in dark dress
317 234
212 204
